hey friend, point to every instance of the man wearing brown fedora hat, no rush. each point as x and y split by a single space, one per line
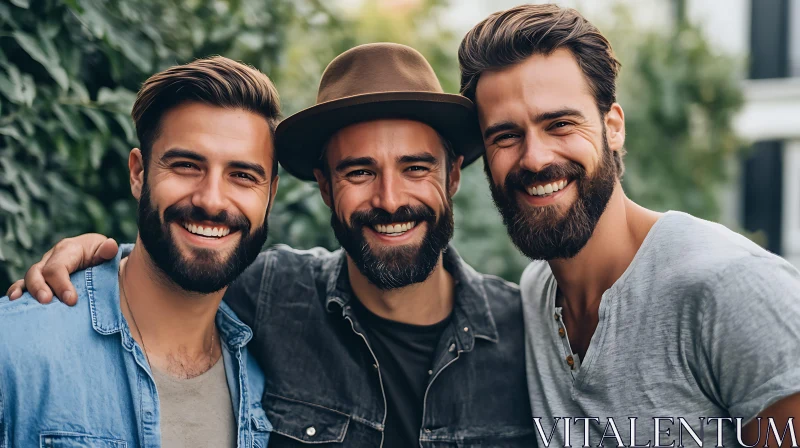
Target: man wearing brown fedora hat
393 341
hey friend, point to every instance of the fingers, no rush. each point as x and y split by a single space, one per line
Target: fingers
35 284
56 275
15 291
51 275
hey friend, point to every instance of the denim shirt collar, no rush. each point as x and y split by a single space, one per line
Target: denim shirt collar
107 314
472 311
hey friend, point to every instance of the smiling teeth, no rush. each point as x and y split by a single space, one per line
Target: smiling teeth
546 189
207 231
394 229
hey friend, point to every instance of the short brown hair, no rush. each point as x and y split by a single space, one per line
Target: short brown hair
216 81
511 36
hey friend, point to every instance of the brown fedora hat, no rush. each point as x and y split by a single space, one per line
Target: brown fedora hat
371 82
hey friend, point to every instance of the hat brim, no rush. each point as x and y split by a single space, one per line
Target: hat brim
299 139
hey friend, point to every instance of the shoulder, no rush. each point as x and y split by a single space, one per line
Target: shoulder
33 333
316 256
503 296
724 266
699 244
27 312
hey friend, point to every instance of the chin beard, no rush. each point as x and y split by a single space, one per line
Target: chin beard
548 232
207 270
395 267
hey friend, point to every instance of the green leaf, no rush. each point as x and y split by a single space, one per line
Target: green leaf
11 131
97 118
8 203
66 121
45 53
31 46
80 90
8 170
32 185
18 87
98 215
21 3
125 122
23 236
97 148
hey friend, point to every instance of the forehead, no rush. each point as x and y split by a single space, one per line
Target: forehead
381 139
538 84
217 133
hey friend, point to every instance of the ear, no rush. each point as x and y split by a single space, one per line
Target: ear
455 176
615 127
136 168
273 190
324 186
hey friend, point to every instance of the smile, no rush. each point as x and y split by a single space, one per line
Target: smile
207 231
394 229
547 189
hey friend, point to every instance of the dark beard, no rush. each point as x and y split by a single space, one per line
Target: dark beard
395 267
546 233
206 272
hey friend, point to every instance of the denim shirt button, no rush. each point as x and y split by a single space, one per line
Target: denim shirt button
430 372
451 348
466 329
311 431
148 416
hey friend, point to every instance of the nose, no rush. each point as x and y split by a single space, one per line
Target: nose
210 195
537 153
389 195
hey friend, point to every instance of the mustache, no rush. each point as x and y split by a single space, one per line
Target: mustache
405 213
521 179
181 212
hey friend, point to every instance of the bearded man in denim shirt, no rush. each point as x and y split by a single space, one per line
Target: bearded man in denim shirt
393 341
151 356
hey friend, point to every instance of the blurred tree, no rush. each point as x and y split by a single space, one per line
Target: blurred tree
680 98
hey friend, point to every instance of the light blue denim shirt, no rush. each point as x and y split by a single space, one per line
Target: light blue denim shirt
74 376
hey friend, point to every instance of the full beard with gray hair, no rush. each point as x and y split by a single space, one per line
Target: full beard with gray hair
395 267
547 232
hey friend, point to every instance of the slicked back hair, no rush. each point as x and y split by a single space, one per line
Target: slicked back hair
509 37
215 81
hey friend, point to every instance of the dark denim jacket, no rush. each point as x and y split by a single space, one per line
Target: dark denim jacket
323 385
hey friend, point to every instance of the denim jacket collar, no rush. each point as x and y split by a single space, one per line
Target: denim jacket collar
472 310
107 314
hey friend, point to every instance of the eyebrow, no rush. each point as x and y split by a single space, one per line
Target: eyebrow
423 157
180 153
544 116
349 162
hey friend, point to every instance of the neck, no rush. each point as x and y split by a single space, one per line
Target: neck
424 303
617 237
173 322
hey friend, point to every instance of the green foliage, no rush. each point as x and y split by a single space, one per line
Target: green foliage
69 71
679 98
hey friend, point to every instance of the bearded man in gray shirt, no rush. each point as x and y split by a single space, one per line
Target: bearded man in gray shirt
643 328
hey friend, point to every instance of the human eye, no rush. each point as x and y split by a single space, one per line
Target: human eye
244 176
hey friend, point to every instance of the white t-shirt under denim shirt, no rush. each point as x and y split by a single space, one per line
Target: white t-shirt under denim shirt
702 324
